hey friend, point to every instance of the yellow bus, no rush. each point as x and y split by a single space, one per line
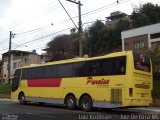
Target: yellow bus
118 79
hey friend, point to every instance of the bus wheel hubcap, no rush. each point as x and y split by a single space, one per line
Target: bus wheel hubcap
85 104
22 98
70 102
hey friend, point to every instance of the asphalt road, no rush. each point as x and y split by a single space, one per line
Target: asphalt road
12 110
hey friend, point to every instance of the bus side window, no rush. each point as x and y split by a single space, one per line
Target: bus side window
77 69
64 70
122 62
94 68
106 66
86 69
120 65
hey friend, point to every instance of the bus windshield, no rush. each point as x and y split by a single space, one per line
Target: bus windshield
141 62
15 82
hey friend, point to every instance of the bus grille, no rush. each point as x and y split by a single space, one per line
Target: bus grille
116 96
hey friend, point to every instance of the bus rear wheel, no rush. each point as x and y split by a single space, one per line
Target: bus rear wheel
22 99
86 103
71 102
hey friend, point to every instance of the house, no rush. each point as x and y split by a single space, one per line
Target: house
20 59
1 70
141 38
115 17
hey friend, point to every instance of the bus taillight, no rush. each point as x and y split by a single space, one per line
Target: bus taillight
130 92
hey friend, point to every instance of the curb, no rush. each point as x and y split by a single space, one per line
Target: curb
7 99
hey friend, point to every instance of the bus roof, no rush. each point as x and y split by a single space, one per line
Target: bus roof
78 59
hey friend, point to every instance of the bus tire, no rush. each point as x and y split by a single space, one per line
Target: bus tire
86 103
22 99
71 102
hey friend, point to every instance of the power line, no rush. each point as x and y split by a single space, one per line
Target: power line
90 13
86 13
83 15
99 8
37 47
38 38
40 10
36 29
4 49
45 36
17 46
95 10
50 10
68 14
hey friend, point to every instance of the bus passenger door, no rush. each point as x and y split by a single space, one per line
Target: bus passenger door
15 82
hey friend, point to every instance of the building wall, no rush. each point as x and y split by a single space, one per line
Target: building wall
5 71
30 59
137 34
19 61
15 63
112 24
130 43
1 70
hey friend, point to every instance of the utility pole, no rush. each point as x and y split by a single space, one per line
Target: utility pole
11 35
80 27
80 31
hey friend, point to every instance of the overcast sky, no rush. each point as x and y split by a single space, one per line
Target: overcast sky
31 20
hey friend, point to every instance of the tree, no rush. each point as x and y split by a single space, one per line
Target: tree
102 39
74 37
60 47
122 25
155 57
145 15
97 38
73 30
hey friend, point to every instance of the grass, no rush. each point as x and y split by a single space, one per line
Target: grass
5 88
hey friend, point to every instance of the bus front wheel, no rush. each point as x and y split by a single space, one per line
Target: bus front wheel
71 102
22 99
86 103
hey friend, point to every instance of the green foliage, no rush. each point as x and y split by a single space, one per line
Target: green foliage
5 88
102 39
154 54
60 47
156 88
145 15
99 39
66 46
98 34
74 37
122 25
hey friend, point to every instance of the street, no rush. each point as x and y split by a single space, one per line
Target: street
12 110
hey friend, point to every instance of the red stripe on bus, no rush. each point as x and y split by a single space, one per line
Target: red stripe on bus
53 82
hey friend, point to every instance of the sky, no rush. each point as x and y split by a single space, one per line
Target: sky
36 22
